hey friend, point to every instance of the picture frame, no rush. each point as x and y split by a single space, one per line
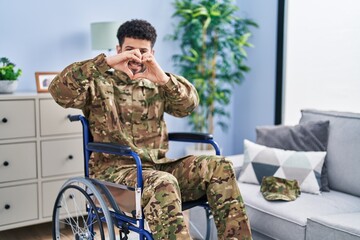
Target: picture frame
43 80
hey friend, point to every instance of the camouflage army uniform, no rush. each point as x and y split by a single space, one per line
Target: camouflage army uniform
131 113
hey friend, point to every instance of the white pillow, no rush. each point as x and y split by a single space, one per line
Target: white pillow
261 161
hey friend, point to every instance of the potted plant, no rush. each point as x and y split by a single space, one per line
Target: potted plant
8 76
212 40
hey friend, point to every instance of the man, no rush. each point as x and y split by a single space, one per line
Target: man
127 106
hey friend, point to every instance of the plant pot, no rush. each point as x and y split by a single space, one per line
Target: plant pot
8 86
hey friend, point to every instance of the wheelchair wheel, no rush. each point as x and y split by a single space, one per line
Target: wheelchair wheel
80 213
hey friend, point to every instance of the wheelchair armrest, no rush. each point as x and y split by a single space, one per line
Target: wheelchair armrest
121 150
110 148
195 138
186 136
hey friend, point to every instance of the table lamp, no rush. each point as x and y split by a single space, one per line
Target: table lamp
103 35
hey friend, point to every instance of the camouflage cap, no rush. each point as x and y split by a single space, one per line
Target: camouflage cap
275 188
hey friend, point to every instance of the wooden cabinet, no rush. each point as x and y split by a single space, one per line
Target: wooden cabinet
54 121
17 119
39 150
61 156
18 161
19 204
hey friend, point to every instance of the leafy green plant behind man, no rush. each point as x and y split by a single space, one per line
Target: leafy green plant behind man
212 41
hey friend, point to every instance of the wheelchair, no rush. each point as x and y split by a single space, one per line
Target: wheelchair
87 208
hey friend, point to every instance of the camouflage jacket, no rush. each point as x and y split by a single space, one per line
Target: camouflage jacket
121 110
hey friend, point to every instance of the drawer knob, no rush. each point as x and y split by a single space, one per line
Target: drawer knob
4 120
7 206
6 163
70 157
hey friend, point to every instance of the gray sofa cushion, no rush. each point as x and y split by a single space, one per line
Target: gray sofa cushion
343 153
287 220
333 227
308 136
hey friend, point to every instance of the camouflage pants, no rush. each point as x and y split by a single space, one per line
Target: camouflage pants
190 178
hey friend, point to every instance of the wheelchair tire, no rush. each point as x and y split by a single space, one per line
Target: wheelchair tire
80 213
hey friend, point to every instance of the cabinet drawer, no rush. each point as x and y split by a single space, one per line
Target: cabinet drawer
18 161
18 204
53 119
63 156
17 119
49 194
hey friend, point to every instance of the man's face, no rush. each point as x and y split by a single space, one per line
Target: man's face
129 44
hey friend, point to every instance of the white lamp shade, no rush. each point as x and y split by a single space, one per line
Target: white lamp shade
103 35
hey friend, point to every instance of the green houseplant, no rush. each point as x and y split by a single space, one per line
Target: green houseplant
8 76
212 41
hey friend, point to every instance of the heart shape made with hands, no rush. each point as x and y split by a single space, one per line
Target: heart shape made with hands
136 67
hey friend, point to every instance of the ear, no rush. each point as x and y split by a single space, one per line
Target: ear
152 51
118 49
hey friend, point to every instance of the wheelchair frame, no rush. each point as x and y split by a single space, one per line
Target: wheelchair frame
96 189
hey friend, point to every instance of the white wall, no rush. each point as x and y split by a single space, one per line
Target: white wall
254 102
40 35
322 66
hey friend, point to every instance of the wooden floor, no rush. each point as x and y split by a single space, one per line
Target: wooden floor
42 232
38 232
35 232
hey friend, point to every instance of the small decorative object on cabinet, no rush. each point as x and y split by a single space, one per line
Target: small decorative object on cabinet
43 80
40 149
8 76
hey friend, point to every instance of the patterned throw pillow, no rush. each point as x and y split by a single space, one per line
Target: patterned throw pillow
261 161
308 136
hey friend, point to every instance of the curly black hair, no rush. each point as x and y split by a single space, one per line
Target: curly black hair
138 29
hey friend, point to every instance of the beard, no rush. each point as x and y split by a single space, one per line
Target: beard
136 67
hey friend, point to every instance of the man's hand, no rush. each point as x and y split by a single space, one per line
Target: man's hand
122 60
152 70
138 66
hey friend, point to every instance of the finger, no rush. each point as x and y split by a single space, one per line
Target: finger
127 71
133 57
140 75
147 57
137 53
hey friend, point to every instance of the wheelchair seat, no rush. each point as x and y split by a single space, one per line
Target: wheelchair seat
93 209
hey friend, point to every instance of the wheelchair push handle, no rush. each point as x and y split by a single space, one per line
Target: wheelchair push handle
74 118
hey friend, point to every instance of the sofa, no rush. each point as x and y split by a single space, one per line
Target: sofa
332 213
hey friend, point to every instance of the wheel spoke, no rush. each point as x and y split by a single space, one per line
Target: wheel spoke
80 223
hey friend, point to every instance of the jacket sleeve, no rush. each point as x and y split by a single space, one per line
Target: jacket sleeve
181 97
71 87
